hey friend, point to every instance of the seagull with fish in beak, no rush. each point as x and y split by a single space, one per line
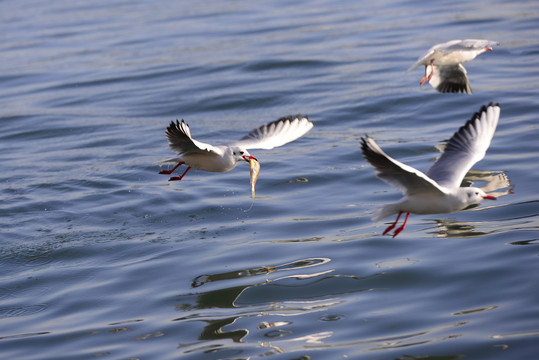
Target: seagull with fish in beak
222 158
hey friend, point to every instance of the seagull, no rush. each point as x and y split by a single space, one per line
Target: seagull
443 64
223 158
437 191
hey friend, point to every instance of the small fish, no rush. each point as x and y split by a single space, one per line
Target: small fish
255 170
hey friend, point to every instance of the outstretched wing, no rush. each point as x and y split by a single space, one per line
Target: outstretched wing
276 133
462 50
467 45
466 147
180 140
407 179
450 79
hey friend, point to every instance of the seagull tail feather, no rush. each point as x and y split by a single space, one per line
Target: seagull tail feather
384 211
175 160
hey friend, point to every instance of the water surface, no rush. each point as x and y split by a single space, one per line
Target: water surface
102 257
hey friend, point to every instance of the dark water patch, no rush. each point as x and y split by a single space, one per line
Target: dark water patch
18 311
278 64
22 336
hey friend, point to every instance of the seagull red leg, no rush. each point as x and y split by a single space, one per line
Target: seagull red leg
424 77
429 76
176 178
431 70
403 225
390 227
168 172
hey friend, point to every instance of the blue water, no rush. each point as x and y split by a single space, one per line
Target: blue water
102 257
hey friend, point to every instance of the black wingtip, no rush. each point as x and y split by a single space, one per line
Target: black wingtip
172 123
170 126
366 149
455 88
176 124
364 141
476 116
292 117
484 109
176 128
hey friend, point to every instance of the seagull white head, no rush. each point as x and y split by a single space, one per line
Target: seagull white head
472 196
241 154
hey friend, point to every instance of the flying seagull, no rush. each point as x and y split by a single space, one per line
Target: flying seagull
443 64
437 191
223 158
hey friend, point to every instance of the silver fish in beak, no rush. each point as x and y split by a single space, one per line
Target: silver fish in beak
255 170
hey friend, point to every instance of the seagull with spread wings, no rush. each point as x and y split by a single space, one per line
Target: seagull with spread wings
222 158
437 191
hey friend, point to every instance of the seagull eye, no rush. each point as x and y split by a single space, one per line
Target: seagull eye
241 152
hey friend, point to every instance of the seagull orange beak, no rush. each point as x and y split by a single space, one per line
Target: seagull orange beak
248 159
488 48
490 197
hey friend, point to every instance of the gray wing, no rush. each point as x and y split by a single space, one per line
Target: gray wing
466 147
276 133
471 46
407 179
467 45
450 79
180 140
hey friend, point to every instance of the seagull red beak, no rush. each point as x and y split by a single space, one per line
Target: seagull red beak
248 159
488 48
490 197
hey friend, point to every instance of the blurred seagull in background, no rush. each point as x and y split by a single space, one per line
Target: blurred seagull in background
443 64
